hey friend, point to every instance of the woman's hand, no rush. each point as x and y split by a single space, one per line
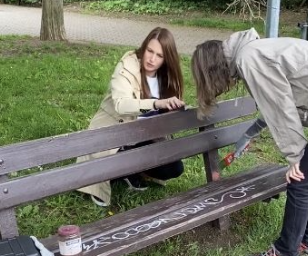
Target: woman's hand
170 103
294 173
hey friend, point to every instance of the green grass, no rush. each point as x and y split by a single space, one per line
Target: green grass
195 14
49 88
143 7
235 24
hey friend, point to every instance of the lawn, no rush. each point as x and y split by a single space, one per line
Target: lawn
50 88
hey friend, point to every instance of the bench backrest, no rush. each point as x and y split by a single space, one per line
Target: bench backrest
20 156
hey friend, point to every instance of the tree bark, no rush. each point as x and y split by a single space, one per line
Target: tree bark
52 25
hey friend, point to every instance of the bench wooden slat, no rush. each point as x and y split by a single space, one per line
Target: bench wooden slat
57 148
156 208
162 219
115 166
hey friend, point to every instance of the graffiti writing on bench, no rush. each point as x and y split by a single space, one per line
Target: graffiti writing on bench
102 241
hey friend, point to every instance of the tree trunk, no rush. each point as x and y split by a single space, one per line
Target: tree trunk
302 4
52 26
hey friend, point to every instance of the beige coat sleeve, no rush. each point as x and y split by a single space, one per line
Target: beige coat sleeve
125 92
272 92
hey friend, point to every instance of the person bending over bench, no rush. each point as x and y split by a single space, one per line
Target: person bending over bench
275 71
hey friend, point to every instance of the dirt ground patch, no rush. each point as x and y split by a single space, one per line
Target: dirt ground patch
211 238
206 237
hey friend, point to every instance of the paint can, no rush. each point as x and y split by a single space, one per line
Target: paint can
69 239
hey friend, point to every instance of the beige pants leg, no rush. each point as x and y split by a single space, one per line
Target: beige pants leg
101 190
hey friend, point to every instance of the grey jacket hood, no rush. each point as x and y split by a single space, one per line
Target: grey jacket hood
234 44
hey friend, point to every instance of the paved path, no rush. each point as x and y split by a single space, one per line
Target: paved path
81 27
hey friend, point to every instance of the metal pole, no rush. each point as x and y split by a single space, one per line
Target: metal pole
305 31
304 28
272 18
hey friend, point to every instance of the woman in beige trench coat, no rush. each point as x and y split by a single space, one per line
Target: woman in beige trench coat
144 80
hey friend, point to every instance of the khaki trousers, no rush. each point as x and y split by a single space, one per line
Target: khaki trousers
101 190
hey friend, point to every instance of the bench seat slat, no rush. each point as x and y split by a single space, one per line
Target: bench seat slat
114 166
61 147
178 214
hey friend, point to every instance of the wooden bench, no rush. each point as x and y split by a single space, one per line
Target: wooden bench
137 228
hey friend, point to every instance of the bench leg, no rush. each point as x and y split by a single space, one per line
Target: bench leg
222 223
211 160
8 223
212 171
268 200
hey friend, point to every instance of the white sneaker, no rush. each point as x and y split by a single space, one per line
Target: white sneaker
136 182
154 180
98 201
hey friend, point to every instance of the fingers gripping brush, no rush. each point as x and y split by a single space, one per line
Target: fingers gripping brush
242 144
229 158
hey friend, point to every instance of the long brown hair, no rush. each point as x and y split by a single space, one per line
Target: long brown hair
211 74
169 75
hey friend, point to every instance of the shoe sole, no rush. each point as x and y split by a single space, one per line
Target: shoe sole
99 203
131 187
157 181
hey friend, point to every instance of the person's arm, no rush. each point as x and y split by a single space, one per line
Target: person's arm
126 103
273 95
294 173
252 132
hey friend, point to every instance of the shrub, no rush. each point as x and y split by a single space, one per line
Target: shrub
160 6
